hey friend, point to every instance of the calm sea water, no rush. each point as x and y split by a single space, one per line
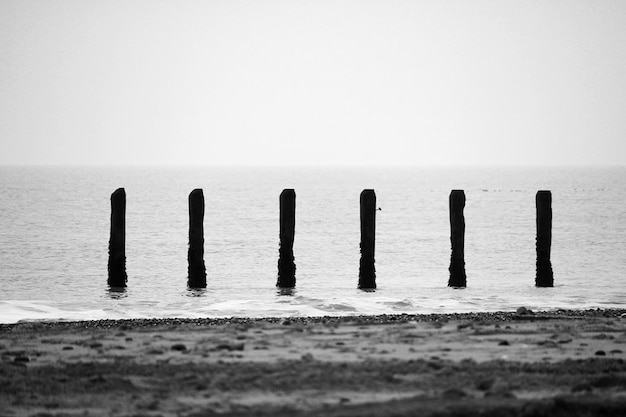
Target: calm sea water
54 226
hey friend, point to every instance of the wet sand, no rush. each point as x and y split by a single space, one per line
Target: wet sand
517 363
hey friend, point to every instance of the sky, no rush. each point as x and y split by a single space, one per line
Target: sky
320 82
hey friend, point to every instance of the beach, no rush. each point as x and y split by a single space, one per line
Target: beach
564 362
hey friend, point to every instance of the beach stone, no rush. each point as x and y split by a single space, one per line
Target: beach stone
485 384
462 326
500 393
21 359
97 379
454 393
600 353
503 343
237 346
523 311
230 346
548 343
68 347
179 347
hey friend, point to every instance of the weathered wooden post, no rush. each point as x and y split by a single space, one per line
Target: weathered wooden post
543 201
286 264
367 271
117 240
196 271
457 239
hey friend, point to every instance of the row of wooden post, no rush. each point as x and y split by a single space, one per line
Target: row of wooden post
286 261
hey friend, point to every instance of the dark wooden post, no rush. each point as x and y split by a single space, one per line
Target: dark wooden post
543 201
286 264
367 271
117 240
196 271
457 239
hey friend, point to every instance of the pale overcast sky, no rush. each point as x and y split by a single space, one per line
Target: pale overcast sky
269 82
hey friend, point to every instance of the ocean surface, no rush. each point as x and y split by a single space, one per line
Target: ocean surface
54 234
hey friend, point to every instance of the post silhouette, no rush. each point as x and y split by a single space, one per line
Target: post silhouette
367 271
117 240
457 239
196 270
287 220
543 202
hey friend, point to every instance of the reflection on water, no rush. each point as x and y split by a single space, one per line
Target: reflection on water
367 289
195 292
117 293
290 292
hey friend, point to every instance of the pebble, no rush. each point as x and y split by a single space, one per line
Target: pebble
237 346
502 393
600 353
453 393
97 379
485 384
230 347
523 311
21 359
179 347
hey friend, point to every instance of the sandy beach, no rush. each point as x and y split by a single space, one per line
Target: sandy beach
511 363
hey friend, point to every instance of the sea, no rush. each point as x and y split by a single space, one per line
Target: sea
55 223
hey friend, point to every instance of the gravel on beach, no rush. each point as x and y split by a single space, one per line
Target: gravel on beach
519 363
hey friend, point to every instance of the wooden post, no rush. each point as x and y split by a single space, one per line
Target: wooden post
543 201
457 239
367 271
117 240
196 271
286 264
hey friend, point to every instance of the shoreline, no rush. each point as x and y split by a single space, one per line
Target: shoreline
563 362
522 314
